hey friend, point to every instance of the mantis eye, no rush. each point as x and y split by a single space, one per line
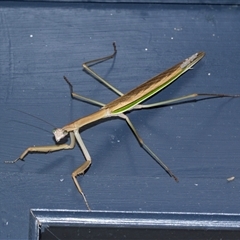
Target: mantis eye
59 134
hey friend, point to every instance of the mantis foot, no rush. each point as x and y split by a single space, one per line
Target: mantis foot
14 161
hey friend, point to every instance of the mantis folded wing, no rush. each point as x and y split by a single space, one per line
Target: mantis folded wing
117 108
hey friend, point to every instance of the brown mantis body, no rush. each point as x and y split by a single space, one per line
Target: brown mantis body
117 108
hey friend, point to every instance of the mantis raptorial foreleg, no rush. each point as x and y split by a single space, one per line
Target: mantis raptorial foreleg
46 149
53 148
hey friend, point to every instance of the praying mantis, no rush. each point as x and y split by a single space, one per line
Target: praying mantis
117 108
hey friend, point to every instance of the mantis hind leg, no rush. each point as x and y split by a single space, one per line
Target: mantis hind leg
193 96
146 148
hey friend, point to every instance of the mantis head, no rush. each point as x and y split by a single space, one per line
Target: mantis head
59 133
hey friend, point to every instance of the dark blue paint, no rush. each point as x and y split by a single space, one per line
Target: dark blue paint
198 141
